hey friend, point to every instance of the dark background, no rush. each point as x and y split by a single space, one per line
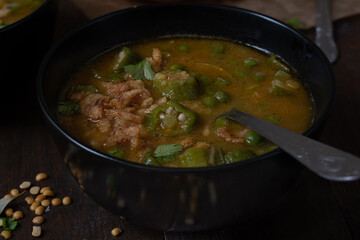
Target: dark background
316 208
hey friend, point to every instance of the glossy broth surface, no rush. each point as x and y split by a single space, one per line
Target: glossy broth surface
226 75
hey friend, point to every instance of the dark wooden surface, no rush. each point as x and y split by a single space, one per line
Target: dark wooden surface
316 209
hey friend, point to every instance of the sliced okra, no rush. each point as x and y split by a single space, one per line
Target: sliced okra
178 85
126 56
171 119
194 157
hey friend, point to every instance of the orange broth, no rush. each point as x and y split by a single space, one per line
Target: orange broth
248 76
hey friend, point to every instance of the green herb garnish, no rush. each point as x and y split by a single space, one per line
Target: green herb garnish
116 153
68 108
115 78
141 70
295 23
166 153
8 224
249 63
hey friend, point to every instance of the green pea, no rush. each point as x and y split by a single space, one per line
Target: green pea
175 67
253 139
221 122
240 73
221 82
222 96
259 77
209 101
184 48
249 63
273 119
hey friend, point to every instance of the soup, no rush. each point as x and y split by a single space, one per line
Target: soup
14 10
158 102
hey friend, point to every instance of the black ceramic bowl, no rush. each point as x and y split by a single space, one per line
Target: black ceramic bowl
23 45
172 198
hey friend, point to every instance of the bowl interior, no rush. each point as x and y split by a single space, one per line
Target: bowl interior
229 23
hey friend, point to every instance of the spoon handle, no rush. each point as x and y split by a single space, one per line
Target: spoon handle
324 31
326 161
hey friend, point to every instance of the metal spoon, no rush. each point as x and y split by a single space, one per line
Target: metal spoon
324 32
326 161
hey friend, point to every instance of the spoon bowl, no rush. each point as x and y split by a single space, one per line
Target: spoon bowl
328 162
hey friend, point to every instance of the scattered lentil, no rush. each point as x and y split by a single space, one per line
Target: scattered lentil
116 231
44 188
45 202
34 206
56 201
39 210
18 214
9 212
48 193
38 220
5 234
41 176
40 197
36 232
30 199
35 190
14 192
7 195
25 185
66 201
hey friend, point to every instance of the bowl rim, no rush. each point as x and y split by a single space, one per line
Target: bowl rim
54 122
26 18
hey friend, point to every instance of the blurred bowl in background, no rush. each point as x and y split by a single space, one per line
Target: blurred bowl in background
23 45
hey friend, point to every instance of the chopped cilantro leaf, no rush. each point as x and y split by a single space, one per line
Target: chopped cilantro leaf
116 153
67 108
141 70
8 224
166 153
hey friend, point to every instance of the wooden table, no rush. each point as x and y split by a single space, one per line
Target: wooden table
317 209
